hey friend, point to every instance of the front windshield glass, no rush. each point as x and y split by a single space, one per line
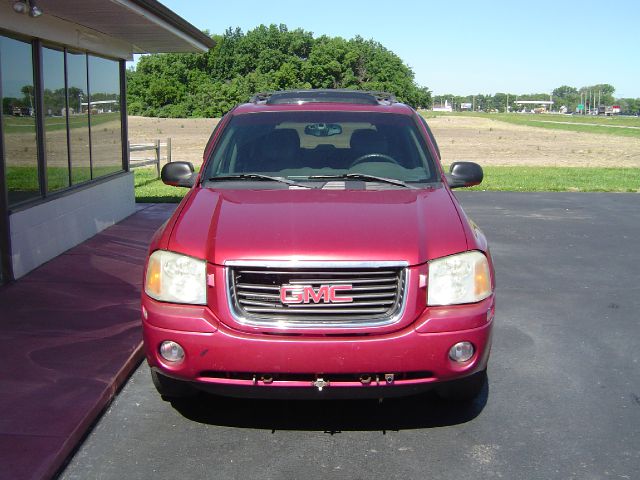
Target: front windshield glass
303 145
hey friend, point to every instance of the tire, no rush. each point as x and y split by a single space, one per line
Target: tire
170 388
464 390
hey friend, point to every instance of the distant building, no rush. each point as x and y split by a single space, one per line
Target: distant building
443 108
537 106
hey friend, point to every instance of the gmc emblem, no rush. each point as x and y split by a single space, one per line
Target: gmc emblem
306 294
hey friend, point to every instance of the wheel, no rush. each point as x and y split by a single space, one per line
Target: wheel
464 390
170 388
380 157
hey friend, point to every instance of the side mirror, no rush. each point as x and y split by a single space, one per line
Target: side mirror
464 174
179 174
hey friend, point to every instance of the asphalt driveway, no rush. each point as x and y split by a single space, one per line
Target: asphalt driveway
563 399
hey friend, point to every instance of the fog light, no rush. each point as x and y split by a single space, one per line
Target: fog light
461 352
171 351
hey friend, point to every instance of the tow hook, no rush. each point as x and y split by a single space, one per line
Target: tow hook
320 383
389 378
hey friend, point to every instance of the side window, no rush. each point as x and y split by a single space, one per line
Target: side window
431 137
104 114
226 153
208 149
55 119
19 121
78 114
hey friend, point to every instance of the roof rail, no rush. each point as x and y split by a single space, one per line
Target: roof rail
362 97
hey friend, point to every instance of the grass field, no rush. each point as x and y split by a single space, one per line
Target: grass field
560 179
20 124
151 190
514 156
25 179
619 126
521 179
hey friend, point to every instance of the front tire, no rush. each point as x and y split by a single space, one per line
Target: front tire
170 388
464 390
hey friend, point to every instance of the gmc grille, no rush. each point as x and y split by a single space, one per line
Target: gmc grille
377 292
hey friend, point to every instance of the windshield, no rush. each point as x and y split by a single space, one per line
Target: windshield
313 146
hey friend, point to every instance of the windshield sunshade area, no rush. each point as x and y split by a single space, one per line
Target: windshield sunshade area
317 146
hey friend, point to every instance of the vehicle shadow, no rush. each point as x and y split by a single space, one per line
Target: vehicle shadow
331 416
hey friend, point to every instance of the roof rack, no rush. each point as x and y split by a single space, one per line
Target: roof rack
287 97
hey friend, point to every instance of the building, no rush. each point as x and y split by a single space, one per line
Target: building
446 107
63 123
537 106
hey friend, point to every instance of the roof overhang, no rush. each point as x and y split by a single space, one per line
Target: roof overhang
146 25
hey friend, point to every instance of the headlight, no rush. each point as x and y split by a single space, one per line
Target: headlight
461 278
172 277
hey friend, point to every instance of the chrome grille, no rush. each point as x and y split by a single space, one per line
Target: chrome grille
377 294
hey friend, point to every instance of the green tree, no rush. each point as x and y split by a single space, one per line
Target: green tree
629 106
566 96
600 94
265 58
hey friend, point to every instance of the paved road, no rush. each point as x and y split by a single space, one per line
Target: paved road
563 400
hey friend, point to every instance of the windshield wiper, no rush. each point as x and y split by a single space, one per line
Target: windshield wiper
363 177
256 176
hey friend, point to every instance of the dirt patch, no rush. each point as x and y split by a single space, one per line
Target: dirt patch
490 142
482 140
188 136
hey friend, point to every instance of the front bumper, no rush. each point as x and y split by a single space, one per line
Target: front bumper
223 360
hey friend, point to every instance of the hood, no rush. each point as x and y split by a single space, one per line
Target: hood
356 225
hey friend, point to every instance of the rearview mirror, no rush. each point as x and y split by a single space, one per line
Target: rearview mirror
323 129
179 174
464 174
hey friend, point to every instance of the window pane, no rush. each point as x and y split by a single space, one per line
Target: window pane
304 144
106 139
78 117
55 121
19 121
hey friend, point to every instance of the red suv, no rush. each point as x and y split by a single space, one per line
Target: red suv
319 253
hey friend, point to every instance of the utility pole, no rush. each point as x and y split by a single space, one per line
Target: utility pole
506 109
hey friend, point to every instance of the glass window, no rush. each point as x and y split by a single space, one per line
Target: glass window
81 112
104 107
19 120
78 116
55 119
304 144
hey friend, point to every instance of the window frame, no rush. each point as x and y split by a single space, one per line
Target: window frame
7 209
44 196
4 191
6 269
